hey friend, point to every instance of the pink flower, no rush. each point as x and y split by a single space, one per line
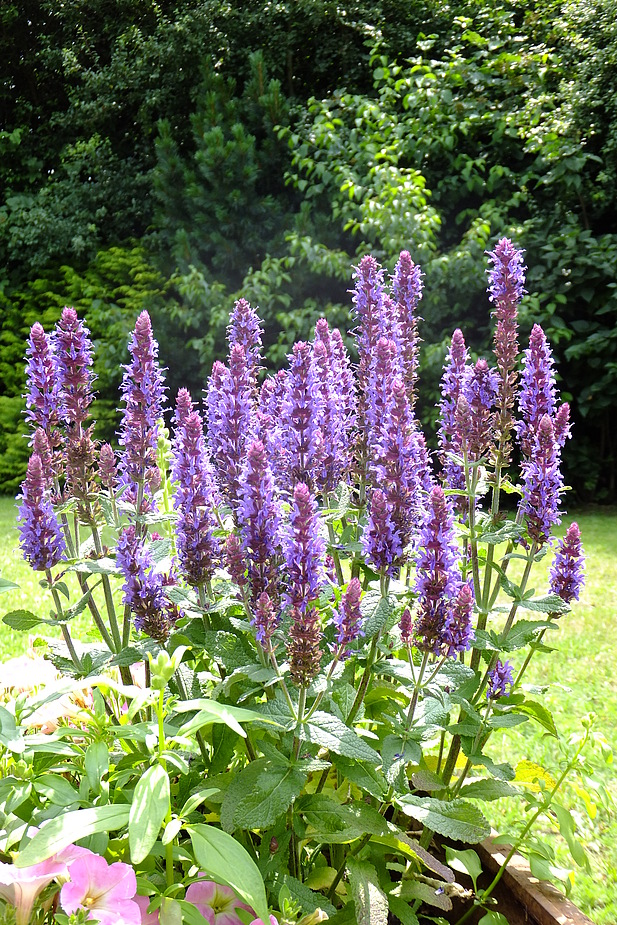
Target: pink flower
105 890
147 918
217 903
273 921
20 887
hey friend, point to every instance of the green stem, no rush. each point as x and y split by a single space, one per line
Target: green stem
169 848
364 681
64 628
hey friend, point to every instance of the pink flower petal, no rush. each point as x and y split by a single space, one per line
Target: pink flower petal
20 887
106 890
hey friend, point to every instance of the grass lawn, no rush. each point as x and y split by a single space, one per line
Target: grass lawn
581 676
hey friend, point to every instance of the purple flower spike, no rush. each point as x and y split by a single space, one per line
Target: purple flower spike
40 536
231 418
542 484
303 648
449 430
568 571
347 383
406 627
42 449
199 550
259 519
143 587
184 406
438 578
74 361
265 620
304 550
245 328
143 394
381 540
368 309
348 618
499 680
235 561
458 631
383 369
480 388
538 393
506 289
562 424
407 292
107 467
43 395
337 407
301 413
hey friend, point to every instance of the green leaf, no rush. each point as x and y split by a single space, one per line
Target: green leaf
493 918
466 862
402 911
403 844
10 736
365 776
23 620
541 715
329 732
191 914
211 711
55 835
370 901
487 790
549 603
567 827
96 764
148 810
56 789
196 799
306 898
524 632
505 533
340 823
376 610
6 585
415 889
225 860
274 790
457 819
397 753
170 912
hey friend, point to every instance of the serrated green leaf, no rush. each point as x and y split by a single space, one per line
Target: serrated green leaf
396 754
329 732
149 807
457 819
375 610
416 889
370 902
524 632
505 720
505 533
226 861
308 900
62 831
541 715
367 777
549 603
23 620
340 823
274 790
104 566
402 911
488 789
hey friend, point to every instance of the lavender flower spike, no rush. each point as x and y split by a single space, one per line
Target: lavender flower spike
230 420
449 431
538 393
199 551
304 550
143 587
301 413
480 388
542 484
381 541
568 571
368 299
407 292
40 538
348 617
303 649
143 393
259 519
43 395
74 362
245 328
499 680
438 576
265 620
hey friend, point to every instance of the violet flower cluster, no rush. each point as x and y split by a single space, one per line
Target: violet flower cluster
40 536
568 569
143 587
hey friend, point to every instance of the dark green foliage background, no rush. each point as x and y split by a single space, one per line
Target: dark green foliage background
174 156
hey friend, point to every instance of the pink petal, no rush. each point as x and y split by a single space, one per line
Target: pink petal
147 918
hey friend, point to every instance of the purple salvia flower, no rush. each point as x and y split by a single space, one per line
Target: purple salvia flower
304 550
268 420
458 630
235 561
245 328
568 571
143 393
537 393
143 587
42 449
381 540
80 460
426 481
334 443
406 627
184 406
347 381
199 550
500 679
407 292
259 520
506 288
348 617
562 424
480 388
368 311
301 413
542 484
438 576
40 536
398 472
384 367
303 648
43 394
231 414
265 620
107 467
73 351
449 433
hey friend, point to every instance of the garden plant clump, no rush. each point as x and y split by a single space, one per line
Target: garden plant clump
308 625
